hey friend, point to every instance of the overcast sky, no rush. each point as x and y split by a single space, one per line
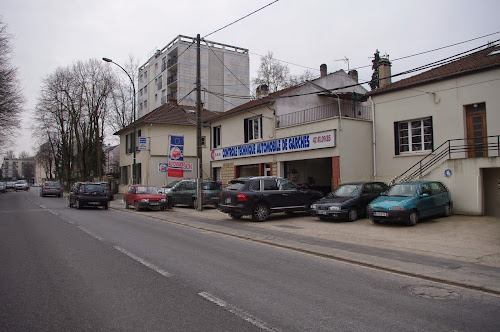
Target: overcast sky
56 33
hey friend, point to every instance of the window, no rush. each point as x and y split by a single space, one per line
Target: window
413 136
253 128
146 104
203 141
270 184
287 185
146 75
216 137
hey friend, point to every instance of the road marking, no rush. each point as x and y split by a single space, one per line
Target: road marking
144 262
238 312
94 235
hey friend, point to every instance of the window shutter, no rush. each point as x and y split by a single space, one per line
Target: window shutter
260 126
214 138
432 135
396 139
246 130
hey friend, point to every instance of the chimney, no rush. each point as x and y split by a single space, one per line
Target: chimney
323 70
354 74
262 91
384 71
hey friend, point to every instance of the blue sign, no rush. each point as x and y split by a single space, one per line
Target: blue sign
447 173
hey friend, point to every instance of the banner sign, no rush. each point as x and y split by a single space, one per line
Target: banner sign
323 139
176 157
143 143
163 167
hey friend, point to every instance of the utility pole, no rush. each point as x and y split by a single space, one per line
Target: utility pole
199 182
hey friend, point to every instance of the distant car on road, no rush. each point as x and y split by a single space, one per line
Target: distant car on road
3 187
11 184
262 195
348 201
51 188
410 201
88 194
184 192
21 185
144 197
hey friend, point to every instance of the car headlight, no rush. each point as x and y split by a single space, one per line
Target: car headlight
334 208
145 200
163 200
397 208
314 206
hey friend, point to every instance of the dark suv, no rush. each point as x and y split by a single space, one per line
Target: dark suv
88 194
260 196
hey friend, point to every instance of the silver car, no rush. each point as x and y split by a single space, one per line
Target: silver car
51 188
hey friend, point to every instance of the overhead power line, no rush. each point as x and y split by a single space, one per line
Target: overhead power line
255 11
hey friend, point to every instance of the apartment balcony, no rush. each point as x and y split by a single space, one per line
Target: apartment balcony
347 110
172 81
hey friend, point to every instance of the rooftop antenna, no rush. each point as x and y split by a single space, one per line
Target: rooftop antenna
345 59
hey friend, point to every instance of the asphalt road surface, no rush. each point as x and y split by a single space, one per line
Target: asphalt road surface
63 269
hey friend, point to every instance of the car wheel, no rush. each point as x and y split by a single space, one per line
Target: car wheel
78 204
447 210
235 215
68 203
353 215
194 203
374 222
106 206
260 213
136 206
413 218
126 204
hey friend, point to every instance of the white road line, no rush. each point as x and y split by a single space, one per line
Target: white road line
94 235
144 262
238 312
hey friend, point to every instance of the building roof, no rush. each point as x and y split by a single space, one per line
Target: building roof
255 103
179 115
482 60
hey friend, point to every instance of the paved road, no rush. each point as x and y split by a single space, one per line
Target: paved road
68 269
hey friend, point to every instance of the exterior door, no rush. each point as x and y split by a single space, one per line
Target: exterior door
476 130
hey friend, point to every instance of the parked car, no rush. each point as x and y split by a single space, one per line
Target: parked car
21 185
184 192
168 187
88 194
51 188
3 187
142 197
409 201
348 201
260 196
11 184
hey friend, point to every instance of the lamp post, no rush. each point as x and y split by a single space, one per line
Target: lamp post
133 109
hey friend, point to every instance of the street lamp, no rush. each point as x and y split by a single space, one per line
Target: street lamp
133 109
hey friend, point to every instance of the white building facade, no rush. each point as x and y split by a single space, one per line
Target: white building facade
169 76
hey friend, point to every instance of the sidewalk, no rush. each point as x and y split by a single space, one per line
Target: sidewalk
459 250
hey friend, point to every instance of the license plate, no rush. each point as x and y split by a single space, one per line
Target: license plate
153 203
380 214
93 203
228 200
322 212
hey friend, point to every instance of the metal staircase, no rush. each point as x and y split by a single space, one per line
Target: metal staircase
452 149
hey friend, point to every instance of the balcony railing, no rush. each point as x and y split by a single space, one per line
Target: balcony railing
348 109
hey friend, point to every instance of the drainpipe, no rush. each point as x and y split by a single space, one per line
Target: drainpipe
340 112
374 141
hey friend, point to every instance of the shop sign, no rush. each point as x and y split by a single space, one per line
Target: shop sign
282 145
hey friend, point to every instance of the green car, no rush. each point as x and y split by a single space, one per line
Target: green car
409 201
184 193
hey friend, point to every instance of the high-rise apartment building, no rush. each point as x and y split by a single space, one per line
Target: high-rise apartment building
169 76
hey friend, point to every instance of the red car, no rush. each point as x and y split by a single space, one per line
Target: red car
144 197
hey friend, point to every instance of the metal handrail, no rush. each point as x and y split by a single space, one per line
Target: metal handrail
447 149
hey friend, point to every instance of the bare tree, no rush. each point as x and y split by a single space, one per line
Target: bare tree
11 99
121 104
71 118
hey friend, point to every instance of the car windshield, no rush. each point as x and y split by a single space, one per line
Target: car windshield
403 190
236 185
93 187
21 182
147 190
52 184
348 190
171 184
210 186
